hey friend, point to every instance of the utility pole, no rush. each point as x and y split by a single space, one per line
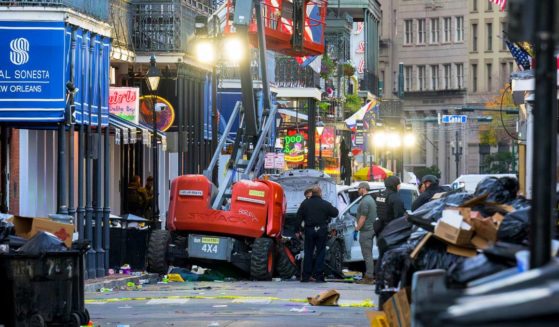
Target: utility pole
542 215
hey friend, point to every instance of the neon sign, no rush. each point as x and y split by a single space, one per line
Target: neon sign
294 148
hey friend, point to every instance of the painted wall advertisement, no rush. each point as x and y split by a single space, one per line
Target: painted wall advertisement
32 69
124 102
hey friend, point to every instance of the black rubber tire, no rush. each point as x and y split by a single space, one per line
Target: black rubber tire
76 320
284 267
37 321
262 259
335 263
157 251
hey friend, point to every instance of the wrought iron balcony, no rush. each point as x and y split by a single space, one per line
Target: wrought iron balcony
290 74
121 24
165 25
98 9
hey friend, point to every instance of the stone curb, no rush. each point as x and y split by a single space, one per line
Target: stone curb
120 282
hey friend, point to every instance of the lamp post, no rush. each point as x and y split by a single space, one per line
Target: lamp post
153 77
319 131
457 153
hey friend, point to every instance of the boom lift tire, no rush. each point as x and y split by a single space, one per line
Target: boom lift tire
157 251
262 259
284 266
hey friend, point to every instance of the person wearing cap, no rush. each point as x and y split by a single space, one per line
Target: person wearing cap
366 216
430 185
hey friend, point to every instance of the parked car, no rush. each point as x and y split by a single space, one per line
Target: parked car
345 223
469 182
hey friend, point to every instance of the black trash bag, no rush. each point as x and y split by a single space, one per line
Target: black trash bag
456 199
434 256
427 214
504 253
395 233
515 227
432 211
394 267
520 203
498 190
43 242
465 271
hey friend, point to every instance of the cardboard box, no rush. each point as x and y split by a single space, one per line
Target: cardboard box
461 251
453 229
480 243
27 227
397 309
485 228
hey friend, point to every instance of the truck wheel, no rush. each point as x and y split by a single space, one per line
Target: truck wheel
286 266
334 264
157 251
262 259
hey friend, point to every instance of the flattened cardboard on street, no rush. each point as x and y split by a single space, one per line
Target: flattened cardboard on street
27 227
453 229
480 243
397 309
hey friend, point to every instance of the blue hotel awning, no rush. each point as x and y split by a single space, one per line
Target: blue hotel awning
37 57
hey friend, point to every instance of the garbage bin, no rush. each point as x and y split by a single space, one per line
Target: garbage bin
41 290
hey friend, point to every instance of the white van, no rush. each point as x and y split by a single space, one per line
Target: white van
469 182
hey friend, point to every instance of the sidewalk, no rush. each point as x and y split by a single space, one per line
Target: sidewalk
118 281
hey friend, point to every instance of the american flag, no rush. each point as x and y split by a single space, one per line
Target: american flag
501 3
522 58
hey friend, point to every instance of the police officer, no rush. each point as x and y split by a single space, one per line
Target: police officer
316 213
389 204
431 187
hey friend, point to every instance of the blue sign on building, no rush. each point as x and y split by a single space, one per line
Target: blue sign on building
454 119
32 70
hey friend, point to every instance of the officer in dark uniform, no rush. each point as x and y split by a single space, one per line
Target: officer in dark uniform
389 204
431 184
316 213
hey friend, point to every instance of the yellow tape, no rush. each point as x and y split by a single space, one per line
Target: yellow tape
365 304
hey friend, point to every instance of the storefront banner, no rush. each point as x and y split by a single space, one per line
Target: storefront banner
32 70
328 139
124 102
269 160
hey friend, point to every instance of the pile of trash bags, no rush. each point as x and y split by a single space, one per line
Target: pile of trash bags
492 195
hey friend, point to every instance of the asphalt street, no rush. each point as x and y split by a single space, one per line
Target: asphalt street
231 304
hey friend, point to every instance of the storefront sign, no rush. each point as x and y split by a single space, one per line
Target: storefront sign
32 70
124 102
294 148
269 160
164 112
279 161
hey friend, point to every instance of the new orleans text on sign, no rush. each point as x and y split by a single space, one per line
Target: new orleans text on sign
32 70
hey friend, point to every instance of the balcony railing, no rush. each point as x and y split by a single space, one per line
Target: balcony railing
165 26
95 8
290 74
121 24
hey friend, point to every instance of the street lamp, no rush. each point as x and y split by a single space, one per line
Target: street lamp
319 131
153 77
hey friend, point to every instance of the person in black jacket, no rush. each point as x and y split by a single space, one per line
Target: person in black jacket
389 204
431 186
316 213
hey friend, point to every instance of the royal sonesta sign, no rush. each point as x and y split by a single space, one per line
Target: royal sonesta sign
32 70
